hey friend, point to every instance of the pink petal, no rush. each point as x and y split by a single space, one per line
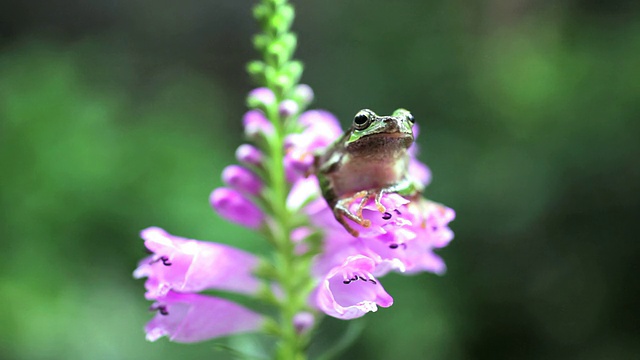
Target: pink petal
302 191
349 291
188 318
412 246
420 172
242 179
303 321
233 206
303 93
262 95
255 123
185 265
287 108
249 154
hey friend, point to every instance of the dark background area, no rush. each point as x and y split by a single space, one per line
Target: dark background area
118 115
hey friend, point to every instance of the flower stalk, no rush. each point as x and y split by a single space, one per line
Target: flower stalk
316 266
280 74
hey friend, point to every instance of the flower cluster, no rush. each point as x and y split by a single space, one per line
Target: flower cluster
401 239
343 270
180 268
315 267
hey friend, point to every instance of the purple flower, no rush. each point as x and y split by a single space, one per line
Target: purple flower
242 179
413 150
302 192
410 249
186 265
298 237
395 215
297 164
249 154
432 232
288 108
188 318
303 94
303 321
233 206
261 97
256 124
382 222
320 129
350 290
420 172
434 222
401 239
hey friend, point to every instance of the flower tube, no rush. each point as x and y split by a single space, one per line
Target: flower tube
189 318
186 265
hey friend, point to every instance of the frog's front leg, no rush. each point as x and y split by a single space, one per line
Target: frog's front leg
340 205
342 212
406 187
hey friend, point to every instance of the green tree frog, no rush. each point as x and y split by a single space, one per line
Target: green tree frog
370 159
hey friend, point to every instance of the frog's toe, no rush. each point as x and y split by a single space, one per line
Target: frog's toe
353 232
346 226
379 205
341 214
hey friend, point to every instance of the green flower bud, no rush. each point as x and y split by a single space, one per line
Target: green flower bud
256 71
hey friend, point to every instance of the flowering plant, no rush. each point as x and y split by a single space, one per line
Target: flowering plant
316 266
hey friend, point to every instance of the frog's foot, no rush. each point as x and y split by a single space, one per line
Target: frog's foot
342 212
379 205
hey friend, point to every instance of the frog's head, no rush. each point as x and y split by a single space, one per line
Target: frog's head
373 130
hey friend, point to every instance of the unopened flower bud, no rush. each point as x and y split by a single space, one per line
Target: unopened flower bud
288 108
297 166
249 154
303 321
242 179
256 123
260 98
233 206
303 93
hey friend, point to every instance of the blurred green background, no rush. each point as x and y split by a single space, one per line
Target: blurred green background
118 115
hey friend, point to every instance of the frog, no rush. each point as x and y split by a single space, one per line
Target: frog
369 160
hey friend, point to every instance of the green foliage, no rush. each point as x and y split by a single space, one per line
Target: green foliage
83 171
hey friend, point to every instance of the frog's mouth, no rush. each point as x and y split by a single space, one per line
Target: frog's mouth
391 134
381 143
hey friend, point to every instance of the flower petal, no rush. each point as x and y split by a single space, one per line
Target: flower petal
420 172
413 245
261 95
233 206
349 291
302 191
303 94
189 266
249 154
191 318
242 179
287 108
255 124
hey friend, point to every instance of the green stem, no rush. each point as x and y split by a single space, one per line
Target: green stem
280 74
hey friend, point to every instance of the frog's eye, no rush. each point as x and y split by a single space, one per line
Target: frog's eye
361 120
411 118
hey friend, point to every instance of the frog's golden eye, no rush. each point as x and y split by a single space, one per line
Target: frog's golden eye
361 121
